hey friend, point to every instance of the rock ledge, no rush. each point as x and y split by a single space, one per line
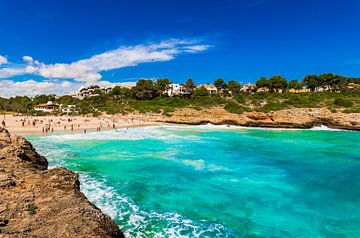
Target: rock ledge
37 202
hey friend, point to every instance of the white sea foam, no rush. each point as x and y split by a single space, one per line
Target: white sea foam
200 164
209 127
197 164
163 132
137 222
324 128
136 133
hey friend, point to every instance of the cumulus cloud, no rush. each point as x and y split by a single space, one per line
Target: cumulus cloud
89 70
10 88
28 59
9 72
3 60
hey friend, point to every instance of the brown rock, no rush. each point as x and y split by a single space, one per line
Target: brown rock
36 202
289 118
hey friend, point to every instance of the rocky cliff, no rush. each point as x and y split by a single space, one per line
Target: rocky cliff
291 118
37 202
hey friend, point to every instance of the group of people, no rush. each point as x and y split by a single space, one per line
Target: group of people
50 124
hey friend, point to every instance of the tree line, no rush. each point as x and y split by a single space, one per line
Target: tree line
146 89
322 82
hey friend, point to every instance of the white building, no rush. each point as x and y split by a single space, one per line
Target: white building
68 109
106 90
88 92
47 107
248 87
175 89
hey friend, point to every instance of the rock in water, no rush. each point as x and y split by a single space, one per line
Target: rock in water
37 202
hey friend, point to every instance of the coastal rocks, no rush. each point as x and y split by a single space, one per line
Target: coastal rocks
302 118
37 202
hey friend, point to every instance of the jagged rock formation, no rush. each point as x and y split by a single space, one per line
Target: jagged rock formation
37 202
290 118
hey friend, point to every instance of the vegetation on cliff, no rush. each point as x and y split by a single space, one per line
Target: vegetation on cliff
276 93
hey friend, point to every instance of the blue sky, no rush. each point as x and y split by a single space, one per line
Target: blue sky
77 43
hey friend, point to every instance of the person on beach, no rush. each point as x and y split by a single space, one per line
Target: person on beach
3 123
84 131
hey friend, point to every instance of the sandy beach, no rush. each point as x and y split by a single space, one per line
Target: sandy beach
294 118
36 125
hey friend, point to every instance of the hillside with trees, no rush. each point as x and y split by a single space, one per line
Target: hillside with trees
328 90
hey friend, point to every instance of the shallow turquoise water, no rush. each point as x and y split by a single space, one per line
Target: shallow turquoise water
208 181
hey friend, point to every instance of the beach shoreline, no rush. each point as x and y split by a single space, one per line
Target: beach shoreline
47 125
306 118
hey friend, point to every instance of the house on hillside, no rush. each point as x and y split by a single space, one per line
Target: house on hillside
47 107
302 90
68 109
262 89
353 86
106 89
175 89
210 88
323 88
88 92
91 92
248 87
96 90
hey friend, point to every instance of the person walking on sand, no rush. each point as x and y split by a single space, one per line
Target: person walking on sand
3 123
84 131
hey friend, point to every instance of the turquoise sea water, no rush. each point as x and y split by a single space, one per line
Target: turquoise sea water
214 181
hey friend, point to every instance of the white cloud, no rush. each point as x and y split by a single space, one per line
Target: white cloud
9 72
3 60
28 59
10 88
88 70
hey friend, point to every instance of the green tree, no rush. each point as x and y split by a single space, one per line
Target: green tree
163 84
278 83
201 91
312 81
263 83
43 98
220 84
293 84
144 89
20 104
234 87
67 100
189 85
120 92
